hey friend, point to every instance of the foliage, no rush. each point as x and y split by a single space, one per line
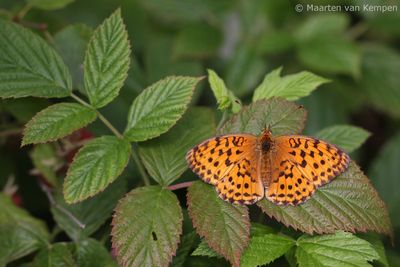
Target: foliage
112 105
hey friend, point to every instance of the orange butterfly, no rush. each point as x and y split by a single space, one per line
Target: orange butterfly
287 169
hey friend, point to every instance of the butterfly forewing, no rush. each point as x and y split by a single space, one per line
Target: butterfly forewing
301 165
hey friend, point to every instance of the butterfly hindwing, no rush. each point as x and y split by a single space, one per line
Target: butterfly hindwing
303 161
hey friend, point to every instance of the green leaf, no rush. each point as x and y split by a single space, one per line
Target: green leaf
384 174
224 226
71 43
107 61
58 254
225 98
92 213
322 24
291 87
46 161
380 78
158 107
340 249
204 250
49 4
331 54
29 66
347 137
95 166
57 121
164 157
282 116
20 233
91 252
347 203
265 249
146 227
189 42
377 244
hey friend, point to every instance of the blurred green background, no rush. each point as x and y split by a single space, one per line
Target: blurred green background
241 40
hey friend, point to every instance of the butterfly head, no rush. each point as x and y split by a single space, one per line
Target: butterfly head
266 139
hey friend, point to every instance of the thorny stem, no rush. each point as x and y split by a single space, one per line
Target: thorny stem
142 171
11 132
49 195
180 185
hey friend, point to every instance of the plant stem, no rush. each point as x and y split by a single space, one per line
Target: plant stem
179 186
141 169
21 14
49 195
11 132
223 119
101 117
138 162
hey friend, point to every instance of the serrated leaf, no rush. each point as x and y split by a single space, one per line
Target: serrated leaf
158 107
57 121
340 249
224 226
46 161
377 244
92 213
282 116
331 54
29 66
347 203
91 252
384 174
164 157
265 249
291 87
204 250
97 164
347 137
380 73
20 233
146 227
225 98
58 254
71 43
107 61
49 4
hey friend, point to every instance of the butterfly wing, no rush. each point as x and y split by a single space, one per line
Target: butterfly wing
300 166
230 163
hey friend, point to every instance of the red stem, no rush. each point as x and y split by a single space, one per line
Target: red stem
179 186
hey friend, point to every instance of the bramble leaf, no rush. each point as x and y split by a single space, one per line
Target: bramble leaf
347 137
265 249
146 227
20 233
90 252
107 61
225 98
347 203
164 157
340 249
204 250
57 121
159 107
97 164
282 116
29 66
291 87
58 254
45 160
225 227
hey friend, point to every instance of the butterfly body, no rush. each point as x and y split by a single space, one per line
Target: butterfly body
286 170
